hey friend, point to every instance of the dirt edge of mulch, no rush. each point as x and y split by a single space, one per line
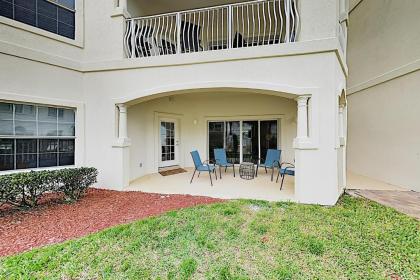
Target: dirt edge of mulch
55 221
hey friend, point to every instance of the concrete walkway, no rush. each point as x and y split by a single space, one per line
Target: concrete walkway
402 200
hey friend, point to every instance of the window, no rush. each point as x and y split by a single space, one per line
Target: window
35 136
56 16
244 141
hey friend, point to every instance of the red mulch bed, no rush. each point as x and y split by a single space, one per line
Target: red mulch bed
54 221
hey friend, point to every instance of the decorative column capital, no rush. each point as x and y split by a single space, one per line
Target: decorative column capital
122 108
302 100
123 140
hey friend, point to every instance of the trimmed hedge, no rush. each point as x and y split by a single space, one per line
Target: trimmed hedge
26 188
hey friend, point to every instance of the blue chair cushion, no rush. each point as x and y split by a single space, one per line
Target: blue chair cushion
275 164
224 164
221 158
205 167
290 172
272 159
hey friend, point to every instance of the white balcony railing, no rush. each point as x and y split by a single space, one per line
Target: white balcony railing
249 24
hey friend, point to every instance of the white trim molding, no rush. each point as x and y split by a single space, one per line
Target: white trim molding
261 52
385 77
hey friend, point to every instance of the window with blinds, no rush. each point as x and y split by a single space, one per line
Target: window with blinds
55 16
35 136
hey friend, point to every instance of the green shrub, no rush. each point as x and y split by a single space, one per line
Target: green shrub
26 188
75 184
9 191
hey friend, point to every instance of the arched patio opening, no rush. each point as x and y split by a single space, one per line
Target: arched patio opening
164 127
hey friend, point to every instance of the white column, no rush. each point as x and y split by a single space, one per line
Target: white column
341 120
122 4
341 132
122 126
121 153
302 122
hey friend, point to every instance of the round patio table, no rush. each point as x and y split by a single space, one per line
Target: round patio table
247 170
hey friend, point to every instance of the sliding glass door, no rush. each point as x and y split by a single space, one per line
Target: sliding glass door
244 141
216 137
250 150
268 137
233 141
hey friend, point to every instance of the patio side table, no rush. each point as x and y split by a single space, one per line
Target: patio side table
247 170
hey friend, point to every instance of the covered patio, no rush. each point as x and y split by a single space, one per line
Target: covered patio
229 187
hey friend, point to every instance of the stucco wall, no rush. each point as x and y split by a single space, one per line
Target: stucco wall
384 91
383 35
32 82
384 132
202 107
100 29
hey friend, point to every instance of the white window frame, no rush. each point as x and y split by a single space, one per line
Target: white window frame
15 137
78 40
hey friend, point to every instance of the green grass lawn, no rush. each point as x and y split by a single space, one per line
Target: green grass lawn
356 239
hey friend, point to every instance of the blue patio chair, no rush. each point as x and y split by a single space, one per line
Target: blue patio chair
200 166
272 160
288 170
221 161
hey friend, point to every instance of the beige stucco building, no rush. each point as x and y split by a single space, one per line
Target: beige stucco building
133 86
384 91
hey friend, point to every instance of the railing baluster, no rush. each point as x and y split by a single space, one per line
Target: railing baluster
248 24
138 48
230 24
202 29
253 25
133 40
281 23
269 19
127 38
296 13
199 30
265 21
287 11
259 24
275 22
208 30
178 33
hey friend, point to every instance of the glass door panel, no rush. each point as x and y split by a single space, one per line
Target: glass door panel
250 141
216 137
268 137
233 135
167 141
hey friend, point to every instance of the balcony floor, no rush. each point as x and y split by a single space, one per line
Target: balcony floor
229 187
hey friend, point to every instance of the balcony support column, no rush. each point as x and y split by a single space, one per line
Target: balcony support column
121 154
341 133
302 118
122 123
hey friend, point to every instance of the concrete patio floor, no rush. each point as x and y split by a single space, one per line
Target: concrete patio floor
360 182
229 187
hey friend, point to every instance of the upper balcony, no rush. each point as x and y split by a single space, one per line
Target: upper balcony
231 26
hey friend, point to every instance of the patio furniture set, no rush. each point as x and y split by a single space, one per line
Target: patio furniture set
247 170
